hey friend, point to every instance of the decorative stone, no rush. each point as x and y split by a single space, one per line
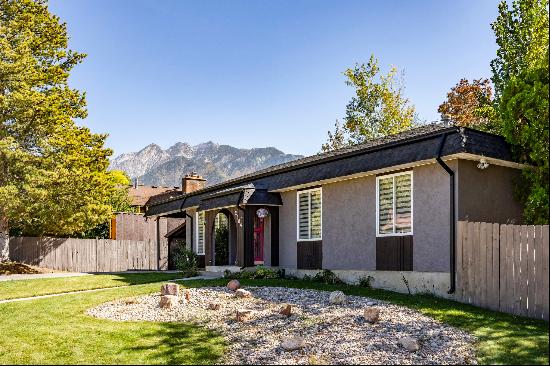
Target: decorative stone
286 310
242 293
409 343
170 289
371 303
293 344
168 301
214 306
234 285
337 297
242 314
372 314
187 295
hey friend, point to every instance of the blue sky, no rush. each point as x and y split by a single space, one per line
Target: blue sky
260 73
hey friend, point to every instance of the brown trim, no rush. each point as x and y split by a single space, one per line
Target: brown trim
309 254
394 253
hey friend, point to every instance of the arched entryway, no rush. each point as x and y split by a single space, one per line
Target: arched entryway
224 239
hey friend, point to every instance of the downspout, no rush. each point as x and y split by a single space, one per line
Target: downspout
241 196
192 228
158 243
452 218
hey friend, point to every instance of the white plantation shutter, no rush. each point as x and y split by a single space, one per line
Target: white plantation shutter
200 232
403 203
395 204
385 202
309 215
315 214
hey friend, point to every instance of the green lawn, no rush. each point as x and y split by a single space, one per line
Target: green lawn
45 286
56 330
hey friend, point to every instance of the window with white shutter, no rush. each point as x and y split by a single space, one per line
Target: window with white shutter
394 204
310 214
200 232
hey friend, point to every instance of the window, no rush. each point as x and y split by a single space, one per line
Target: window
394 213
309 214
200 232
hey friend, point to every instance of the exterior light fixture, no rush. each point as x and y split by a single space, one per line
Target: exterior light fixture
483 164
262 212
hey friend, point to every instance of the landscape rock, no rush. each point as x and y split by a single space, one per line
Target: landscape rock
409 343
168 301
234 285
371 303
286 310
293 344
170 289
242 293
187 295
337 297
214 306
242 314
372 314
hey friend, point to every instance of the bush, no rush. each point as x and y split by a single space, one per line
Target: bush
328 277
366 281
260 272
186 261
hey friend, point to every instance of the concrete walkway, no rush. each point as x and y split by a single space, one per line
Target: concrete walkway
203 276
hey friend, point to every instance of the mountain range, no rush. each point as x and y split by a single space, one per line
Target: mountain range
154 166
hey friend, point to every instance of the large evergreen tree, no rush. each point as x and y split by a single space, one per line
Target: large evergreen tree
53 172
520 76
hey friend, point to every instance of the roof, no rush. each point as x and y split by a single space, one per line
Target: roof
142 194
409 146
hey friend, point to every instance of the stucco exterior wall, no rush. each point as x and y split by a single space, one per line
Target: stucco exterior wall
349 220
287 230
487 195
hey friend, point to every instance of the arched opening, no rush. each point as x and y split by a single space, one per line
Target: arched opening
224 240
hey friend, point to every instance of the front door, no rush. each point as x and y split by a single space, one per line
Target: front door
258 240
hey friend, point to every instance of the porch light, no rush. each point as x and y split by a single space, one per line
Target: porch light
262 212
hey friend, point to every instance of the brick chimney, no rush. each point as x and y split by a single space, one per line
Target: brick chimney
192 182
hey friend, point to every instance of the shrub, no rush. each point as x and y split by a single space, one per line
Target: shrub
186 261
260 272
366 281
328 277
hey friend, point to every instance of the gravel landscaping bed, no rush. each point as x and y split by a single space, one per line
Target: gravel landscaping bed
336 334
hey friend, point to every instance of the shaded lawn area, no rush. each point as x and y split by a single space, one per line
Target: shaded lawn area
46 286
57 331
502 338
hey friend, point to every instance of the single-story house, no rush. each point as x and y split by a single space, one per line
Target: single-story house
387 208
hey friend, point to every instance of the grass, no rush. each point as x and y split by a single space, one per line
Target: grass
46 286
57 331
502 338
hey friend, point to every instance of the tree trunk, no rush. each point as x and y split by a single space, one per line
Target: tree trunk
4 240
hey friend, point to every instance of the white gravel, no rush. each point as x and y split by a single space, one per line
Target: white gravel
335 334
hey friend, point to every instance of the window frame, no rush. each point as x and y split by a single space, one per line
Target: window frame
308 191
197 233
386 176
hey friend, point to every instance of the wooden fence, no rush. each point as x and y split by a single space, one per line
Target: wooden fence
503 267
89 255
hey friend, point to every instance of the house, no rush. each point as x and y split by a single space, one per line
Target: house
139 194
387 208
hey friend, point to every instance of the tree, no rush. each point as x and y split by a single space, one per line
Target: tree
520 75
378 108
469 104
53 173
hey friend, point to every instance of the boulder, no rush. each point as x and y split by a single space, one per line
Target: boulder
170 289
372 314
242 293
293 344
286 310
234 285
371 303
337 297
242 314
187 295
214 306
168 301
409 343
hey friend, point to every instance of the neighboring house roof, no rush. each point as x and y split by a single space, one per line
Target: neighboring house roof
141 194
417 144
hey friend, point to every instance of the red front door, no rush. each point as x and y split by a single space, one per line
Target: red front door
258 240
